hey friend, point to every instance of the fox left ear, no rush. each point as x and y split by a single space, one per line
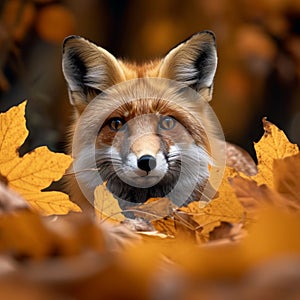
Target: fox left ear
193 62
88 70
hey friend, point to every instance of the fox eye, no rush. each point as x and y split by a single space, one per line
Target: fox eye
116 124
167 123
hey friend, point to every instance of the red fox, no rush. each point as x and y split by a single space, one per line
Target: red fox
143 129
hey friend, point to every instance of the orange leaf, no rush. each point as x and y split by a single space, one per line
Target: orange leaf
286 177
273 145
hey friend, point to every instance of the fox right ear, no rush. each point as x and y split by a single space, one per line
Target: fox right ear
88 69
193 62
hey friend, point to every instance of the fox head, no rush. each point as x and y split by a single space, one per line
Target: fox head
148 123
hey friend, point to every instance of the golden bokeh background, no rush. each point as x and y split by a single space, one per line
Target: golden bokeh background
258 46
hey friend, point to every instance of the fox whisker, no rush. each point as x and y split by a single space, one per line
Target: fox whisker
81 171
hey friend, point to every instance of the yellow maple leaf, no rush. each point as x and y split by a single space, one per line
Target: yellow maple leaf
273 145
224 208
106 206
276 182
35 171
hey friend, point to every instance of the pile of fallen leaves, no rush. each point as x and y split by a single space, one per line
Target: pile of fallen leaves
244 244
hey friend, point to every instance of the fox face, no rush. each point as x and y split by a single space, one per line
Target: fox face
145 154
143 129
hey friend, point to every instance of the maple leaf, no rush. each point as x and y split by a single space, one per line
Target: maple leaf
197 220
35 171
276 182
273 145
224 208
106 206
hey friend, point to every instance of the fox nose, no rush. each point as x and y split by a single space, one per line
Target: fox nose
146 163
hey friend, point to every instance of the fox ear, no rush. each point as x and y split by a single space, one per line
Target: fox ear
193 62
88 69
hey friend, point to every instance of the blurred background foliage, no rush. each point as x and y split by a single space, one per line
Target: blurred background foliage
258 46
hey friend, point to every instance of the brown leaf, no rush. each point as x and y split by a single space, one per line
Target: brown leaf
255 197
154 208
287 176
221 231
226 233
165 226
186 227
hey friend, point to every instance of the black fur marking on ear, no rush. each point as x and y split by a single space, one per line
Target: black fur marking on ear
203 65
191 36
78 68
79 72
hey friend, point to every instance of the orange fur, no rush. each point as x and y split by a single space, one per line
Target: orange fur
89 70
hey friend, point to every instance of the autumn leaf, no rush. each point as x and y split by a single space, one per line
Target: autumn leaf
256 198
224 208
198 219
35 171
106 206
276 183
165 226
153 209
286 177
227 233
273 145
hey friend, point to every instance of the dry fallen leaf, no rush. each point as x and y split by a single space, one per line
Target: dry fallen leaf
276 183
153 209
35 171
165 226
273 145
286 177
256 197
106 206
224 208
